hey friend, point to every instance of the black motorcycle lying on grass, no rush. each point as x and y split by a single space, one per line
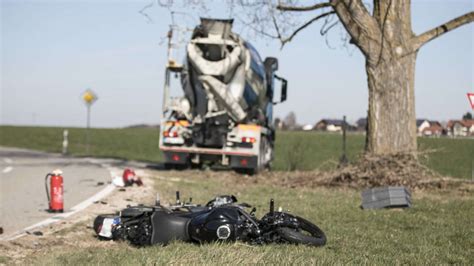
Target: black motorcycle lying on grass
221 219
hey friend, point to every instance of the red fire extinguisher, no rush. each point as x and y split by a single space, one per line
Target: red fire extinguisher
55 193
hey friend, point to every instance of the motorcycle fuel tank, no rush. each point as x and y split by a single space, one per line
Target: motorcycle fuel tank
218 224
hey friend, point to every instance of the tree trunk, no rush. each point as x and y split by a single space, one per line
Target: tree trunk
389 45
391 117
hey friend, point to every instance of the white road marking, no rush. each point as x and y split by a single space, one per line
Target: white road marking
7 169
79 207
8 160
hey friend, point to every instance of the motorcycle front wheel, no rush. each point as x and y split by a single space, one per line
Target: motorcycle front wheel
306 234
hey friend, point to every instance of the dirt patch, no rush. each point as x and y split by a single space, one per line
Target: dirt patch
398 170
395 170
367 172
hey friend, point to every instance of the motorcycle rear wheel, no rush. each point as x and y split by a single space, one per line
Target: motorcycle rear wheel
307 233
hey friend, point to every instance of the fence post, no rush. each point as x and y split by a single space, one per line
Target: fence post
343 160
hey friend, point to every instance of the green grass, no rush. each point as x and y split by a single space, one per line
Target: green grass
311 150
4 259
294 150
132 144
453 157
433 231
438 229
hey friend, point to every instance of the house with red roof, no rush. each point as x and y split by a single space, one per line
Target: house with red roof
462 128
427 127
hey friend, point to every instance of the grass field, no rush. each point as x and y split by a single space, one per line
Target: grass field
294 150
438 229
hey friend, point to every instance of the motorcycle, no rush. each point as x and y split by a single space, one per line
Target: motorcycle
221 219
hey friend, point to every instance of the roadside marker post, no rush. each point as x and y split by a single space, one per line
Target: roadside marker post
65 141
89 98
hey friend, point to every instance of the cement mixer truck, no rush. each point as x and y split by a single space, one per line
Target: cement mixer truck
225 116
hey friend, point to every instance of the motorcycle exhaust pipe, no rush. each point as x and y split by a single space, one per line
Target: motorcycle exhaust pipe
272 206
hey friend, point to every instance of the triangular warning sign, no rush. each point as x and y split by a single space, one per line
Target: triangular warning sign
470 96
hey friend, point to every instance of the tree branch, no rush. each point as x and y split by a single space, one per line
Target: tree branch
275 24
284 7
423 38
361 26
289 38
257 30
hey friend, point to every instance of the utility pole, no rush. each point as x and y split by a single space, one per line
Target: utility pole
87 128
89 98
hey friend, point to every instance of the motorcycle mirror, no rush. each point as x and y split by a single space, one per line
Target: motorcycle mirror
284 89
177 198
252 212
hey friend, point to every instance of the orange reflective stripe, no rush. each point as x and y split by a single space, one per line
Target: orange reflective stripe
249 127
184 123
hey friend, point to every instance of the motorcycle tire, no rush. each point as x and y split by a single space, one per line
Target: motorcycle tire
307 234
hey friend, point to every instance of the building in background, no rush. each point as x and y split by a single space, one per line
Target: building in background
434 129
332 125
361 124
307 127
427 127
460 128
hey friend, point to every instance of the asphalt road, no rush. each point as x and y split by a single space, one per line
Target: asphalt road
23 199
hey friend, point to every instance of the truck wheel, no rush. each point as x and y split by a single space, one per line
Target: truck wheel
261 162
268 154
198 166
246 171
174 166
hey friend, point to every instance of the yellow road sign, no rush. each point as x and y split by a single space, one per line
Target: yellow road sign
89 97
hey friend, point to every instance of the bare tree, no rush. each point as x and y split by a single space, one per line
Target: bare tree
467 116
290 121
384 35
278 123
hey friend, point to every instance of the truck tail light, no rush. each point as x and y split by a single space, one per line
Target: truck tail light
168 134
248 140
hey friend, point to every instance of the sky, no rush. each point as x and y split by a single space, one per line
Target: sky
52 51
